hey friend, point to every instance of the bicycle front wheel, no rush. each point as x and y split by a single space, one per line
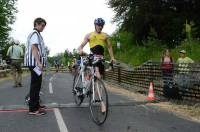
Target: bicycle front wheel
77 89
99 102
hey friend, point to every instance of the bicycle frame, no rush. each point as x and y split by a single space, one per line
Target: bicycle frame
83 80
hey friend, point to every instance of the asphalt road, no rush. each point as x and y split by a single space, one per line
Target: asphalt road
126 115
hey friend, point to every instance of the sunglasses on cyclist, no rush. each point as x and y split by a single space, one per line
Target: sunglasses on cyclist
100 25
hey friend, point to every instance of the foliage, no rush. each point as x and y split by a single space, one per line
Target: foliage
63 58
151 50
7 11
7 17
166 17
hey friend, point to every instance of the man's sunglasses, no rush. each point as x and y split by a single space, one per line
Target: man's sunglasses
100 25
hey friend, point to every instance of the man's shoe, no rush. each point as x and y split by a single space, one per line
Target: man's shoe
37 113
42 107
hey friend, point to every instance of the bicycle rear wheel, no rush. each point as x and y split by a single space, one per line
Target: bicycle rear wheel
99 104
77 89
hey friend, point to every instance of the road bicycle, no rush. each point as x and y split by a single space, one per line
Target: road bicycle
86 84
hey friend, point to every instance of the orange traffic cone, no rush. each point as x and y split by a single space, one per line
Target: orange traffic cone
151 93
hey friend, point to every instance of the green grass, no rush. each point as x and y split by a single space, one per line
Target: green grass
137 55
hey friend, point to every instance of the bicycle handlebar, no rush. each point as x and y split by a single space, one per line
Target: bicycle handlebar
90 61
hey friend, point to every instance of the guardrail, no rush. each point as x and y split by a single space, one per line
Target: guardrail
182 81
4 73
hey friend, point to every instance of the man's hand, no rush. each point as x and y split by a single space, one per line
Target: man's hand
36 55
82 53
40 66
113 61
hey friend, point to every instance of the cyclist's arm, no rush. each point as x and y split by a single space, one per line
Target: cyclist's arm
85 41
110 50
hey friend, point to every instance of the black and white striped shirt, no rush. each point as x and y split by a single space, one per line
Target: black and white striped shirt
34 38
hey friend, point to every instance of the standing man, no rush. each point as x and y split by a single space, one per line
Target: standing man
15 53
184 71
35 59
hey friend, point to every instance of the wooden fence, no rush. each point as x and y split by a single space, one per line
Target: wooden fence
186 84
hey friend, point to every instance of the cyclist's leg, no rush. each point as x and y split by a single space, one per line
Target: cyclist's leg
98 90
97 72
57 68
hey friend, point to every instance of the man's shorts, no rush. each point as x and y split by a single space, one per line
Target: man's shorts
16 66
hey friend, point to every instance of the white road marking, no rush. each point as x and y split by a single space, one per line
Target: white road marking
60 121
51 79
50 85
50 88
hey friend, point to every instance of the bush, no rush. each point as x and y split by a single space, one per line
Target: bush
135 55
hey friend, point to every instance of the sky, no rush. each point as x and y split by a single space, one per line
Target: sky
68 21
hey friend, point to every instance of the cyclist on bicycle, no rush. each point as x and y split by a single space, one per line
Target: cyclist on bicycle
56 64
98 40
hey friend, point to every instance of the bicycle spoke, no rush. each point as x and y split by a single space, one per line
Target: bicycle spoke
99 106
77 90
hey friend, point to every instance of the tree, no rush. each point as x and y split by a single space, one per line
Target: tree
166 17
7 17
47 50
